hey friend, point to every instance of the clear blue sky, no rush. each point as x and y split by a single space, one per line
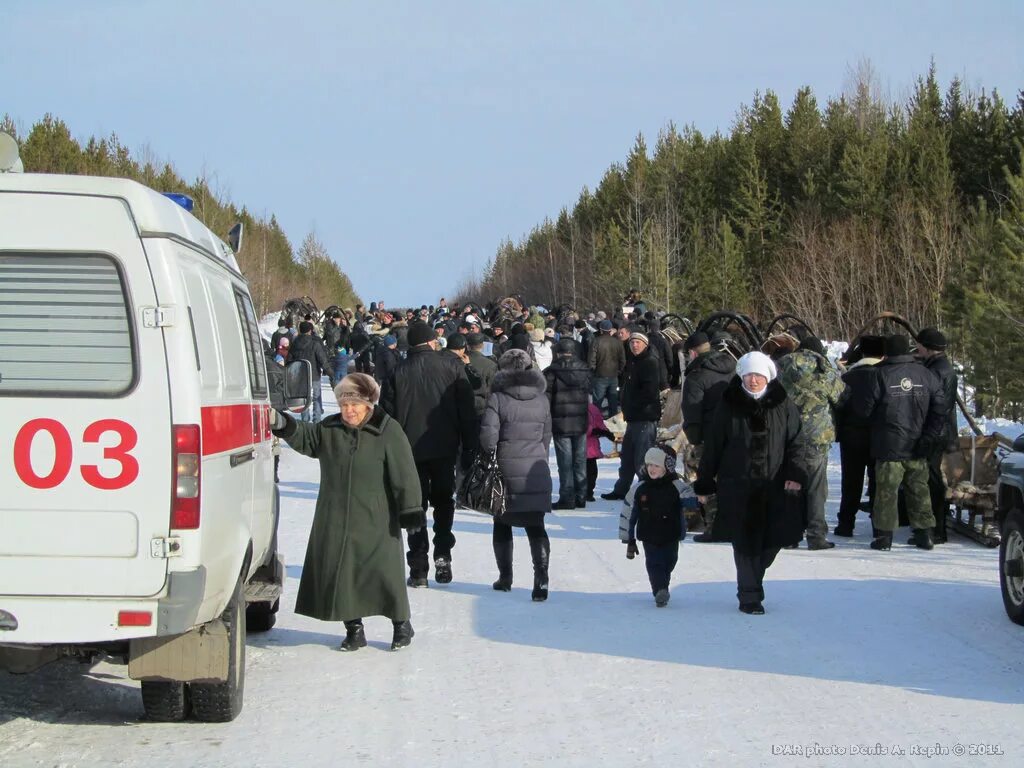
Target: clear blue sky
415 136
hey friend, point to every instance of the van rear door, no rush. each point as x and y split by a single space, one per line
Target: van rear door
84 401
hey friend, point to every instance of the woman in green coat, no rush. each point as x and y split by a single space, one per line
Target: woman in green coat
369 492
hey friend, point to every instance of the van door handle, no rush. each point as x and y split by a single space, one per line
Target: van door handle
242 457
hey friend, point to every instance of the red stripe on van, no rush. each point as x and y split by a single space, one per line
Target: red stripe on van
226 427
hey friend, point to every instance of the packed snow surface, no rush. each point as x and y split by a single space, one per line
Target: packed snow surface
863 658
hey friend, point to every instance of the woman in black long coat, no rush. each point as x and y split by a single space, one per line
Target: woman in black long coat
755 460
517 423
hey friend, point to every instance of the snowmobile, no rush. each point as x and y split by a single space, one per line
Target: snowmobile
298 308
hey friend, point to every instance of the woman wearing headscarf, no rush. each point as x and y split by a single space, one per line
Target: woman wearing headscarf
755 460
517 423
369 492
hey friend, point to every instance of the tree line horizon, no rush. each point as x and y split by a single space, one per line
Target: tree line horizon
835 214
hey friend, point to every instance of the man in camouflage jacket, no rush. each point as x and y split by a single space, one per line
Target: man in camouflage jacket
816 388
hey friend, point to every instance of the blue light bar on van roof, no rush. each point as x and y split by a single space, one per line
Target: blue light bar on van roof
183 200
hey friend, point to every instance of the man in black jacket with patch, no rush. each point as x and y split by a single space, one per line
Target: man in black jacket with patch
430 396
641 408
931 350
568 390
906 409
307 347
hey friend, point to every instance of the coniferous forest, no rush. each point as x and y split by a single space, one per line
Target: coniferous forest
274 269
834 211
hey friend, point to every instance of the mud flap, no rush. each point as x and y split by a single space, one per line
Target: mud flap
200 655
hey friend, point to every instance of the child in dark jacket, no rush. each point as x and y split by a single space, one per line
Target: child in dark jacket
656 517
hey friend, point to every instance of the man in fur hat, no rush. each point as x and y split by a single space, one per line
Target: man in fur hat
931 351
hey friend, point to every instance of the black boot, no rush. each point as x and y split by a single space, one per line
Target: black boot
403 635
922 538
883 541
443 569
355 637
541 551
503 557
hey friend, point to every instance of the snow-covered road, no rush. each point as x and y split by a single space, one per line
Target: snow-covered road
905 650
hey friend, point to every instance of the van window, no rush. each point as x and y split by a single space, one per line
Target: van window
253 346
64 325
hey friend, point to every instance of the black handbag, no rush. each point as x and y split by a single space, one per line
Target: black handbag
483 488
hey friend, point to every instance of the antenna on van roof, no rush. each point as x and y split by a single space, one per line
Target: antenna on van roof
10 161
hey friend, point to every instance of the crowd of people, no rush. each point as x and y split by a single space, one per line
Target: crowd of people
422 393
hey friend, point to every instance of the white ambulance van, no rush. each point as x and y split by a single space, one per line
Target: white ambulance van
138 512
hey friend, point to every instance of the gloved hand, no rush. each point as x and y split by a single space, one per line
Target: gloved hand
631 549
277 419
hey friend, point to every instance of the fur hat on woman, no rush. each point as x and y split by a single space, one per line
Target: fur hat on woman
537 335
515 360
358 387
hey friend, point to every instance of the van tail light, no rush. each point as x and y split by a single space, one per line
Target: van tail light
187 470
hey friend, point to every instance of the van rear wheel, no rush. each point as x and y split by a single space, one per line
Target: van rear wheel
222 702
165 701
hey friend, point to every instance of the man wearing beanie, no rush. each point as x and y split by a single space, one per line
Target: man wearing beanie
707 375
607 359
641 408
385 359
854 433
307 347
816 389
931 351
906 409
568 390
485 366
430 396
656 516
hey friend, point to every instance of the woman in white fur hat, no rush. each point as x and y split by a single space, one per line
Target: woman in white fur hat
755 461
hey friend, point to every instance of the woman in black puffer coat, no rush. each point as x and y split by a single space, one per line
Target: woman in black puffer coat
755 458
517 423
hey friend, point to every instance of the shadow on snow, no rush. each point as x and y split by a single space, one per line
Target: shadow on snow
877 632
